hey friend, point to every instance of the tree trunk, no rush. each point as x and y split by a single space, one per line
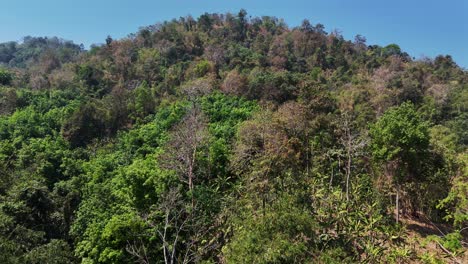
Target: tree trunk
397 203
191 188
191 174
348 175
331 177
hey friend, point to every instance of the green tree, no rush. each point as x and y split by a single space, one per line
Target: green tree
400 139
283 234
5 77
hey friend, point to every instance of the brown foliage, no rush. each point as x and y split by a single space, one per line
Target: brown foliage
186 141
234 84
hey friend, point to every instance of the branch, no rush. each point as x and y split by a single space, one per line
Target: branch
448 252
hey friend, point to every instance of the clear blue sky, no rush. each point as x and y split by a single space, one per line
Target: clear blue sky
420 27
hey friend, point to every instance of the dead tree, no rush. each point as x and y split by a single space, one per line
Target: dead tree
187 139
353 142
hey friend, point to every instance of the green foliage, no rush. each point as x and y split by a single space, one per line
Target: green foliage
132 181
456 202
401 136
429 258
5 77
202 68
399 255
32 48
390 50
87 123
283 234
144 102
55 252
150 65
146 138
226 112
451 242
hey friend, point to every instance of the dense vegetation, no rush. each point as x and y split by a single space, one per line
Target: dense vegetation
230 139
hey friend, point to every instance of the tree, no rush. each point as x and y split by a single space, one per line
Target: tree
173 210
8 100
5 77
352 142
150 65
360 43
183 149
109 40
283 234
391 49
86 123
143 102
170 220
400 139
234 83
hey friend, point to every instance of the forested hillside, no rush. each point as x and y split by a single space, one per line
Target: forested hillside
231 139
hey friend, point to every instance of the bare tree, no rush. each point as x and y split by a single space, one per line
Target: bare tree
138 249
353 143
179 229
171 218
197 88
174 211
187 139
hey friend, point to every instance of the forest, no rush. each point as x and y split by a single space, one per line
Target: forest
231 139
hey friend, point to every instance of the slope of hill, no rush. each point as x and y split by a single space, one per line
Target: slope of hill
228 139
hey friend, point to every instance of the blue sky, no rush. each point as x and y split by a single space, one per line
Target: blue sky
420 27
